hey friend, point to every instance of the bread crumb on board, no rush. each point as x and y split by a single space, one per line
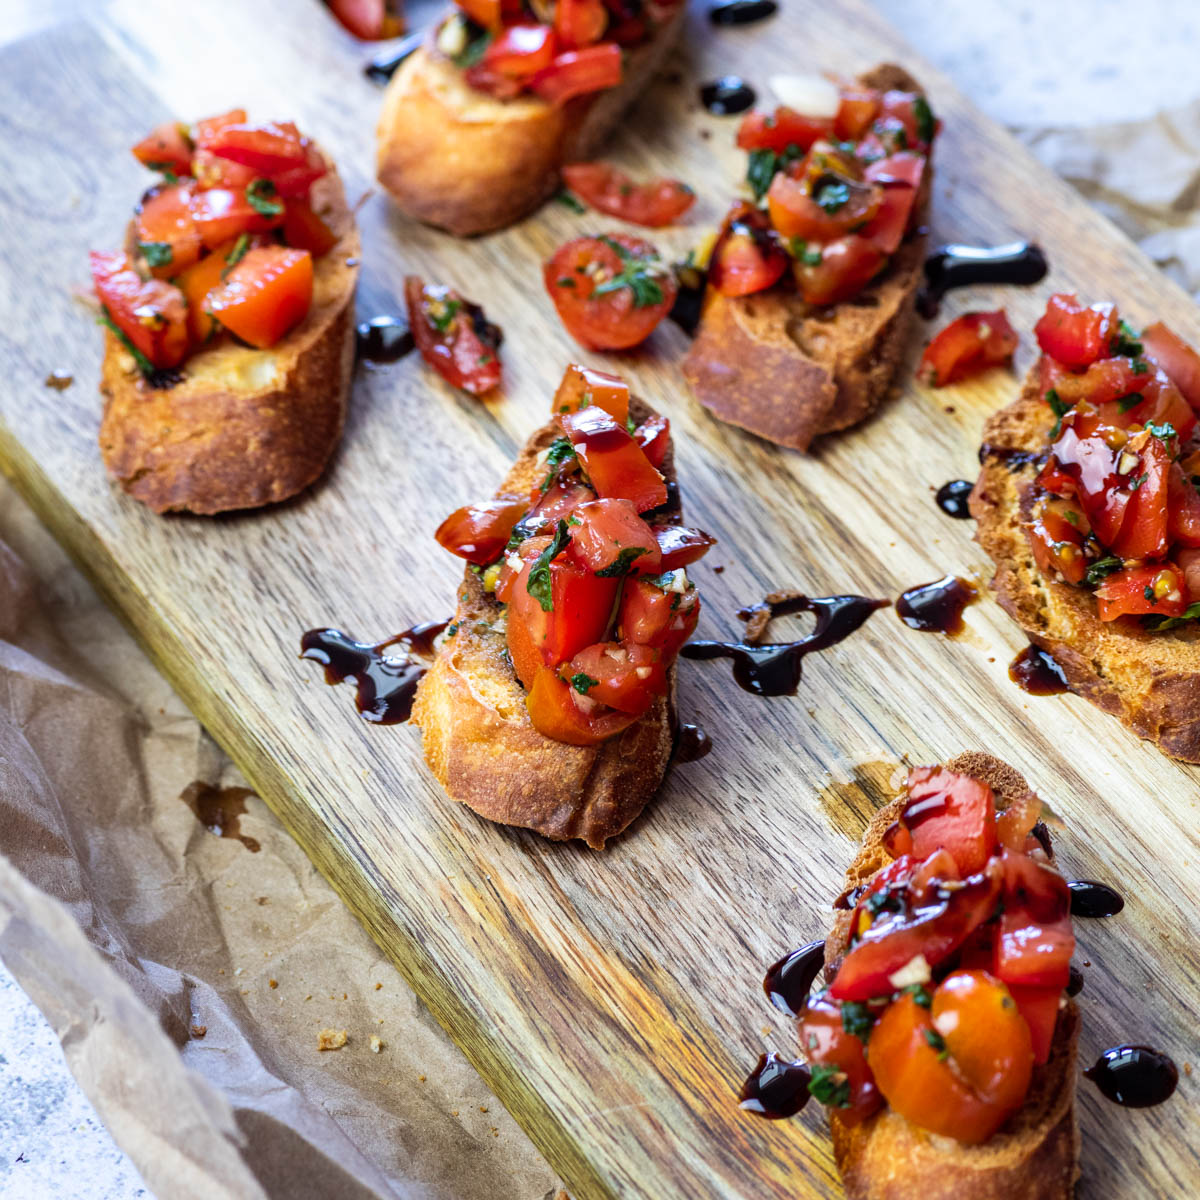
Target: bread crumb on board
376 1044
331 1039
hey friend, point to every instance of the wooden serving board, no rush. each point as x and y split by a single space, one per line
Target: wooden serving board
612 1000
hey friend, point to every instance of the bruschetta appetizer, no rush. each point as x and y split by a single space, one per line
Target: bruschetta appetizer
812 286
478 123
550 702
944 1041
230 322
1087 501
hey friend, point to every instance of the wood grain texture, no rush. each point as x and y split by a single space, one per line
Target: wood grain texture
613 1001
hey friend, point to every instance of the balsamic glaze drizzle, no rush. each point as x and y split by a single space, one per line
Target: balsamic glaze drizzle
384 340
937 607
1092 899
741 12
774 669
957 266
385 64
1134 1076
789 980
1012 457
952 498
728 95
693 743
1037 672
776 1088
385 684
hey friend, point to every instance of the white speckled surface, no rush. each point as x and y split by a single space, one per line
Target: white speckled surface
1028 64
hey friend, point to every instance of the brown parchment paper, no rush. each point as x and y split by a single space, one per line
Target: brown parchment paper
189 977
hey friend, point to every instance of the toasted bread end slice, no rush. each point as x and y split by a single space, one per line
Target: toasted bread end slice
481 745
243 427
1035 1155
1149 680
789 372
463 161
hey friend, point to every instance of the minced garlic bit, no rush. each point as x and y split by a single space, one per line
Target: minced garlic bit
331 1039
679 581
452 37
916 970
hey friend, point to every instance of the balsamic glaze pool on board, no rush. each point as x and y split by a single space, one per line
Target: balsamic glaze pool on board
728 95
789 980
1134 1076
1092 899
387 62
741 12
937 607
383 339
952 498
955 266
776 1088
1037 672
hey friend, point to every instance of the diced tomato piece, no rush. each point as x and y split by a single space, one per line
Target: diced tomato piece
611 292
150 313
166 148
609 190
197 283
908 111
680 547
583 386
204 131
1016 822
579 72
453 336
859 107
304 230
970 343
559 500
889 226
614 462
798 212
906 168
1158 588
579 22
1144 532
825 1041
1168 351
747 256
223 213
1035 940
654 437
556 713
627 678
1076 335
479 532
1188 562
520 51
370 20
1083 455
1039 1006
266 295
268 149
213 172
949 811
167 235
483 12
783 128
841 271
608 537
1183 509
1057 541
653 616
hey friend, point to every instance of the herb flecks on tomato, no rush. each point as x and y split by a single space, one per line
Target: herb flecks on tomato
968 345
453 336
609 190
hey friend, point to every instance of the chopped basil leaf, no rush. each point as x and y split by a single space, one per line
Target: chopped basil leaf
621 564
1137 483
540 585
857 1019
622 252
1102 567
1140 366
664 581
156 254
810 256
1125 342
920 993
262 197
1164 432
830 1085
144 365
1148 593
936 1041
1073 517
760 170
1059 408
236 255
638 276
442 313
568 199
478 40
564 281
1130 401
832 196
1191 613
583 683
926 123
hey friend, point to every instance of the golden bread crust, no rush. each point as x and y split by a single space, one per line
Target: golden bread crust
243 427
1035 1156
790 372
1151 681
463 161
481 745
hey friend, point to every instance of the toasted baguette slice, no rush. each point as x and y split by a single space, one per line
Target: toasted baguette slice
788 371
243 427
481 744
1151 681
459 159
1035 1156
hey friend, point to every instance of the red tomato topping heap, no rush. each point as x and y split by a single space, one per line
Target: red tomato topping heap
453 336
371 20
611 291
504 48
840 194
604 188
949 989
968 345
591 568
1115 507
229 233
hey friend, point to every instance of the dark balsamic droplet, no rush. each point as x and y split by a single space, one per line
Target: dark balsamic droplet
1036 672
689 300
1092 899
937 607
693 743
728 95
1011 456
741 12
957 266
1134 1076
776 1088
385 684
1075 982
774 668
952 498
384 340
789 981
59 380
385 64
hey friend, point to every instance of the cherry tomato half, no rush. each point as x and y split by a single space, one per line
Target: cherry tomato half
453 336
968 345
609 190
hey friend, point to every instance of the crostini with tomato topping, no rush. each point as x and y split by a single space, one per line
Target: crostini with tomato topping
229 312
1087 501
478 122
944 1040
812 287
550 702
